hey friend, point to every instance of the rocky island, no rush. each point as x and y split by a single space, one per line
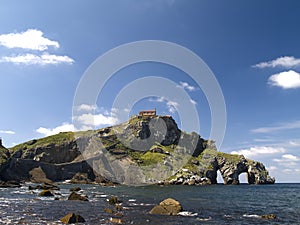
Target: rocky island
145 149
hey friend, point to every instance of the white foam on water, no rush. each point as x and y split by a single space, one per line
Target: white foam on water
186 213
204 219
251 216
132 200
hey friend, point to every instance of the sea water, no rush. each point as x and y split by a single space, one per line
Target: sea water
215 204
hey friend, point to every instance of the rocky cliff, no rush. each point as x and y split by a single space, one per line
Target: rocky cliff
141 150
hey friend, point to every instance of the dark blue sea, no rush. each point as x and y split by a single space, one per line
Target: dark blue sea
216 204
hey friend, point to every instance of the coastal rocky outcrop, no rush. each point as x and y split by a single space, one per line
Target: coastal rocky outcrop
140 150
203 170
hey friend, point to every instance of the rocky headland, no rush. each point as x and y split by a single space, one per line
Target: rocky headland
140 150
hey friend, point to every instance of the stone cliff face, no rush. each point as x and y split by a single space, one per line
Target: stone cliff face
204 168
138 150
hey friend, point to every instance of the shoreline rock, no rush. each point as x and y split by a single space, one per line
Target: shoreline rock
77 197
72 218
168 206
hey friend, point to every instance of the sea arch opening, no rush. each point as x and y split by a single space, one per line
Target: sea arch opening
243 178
220 179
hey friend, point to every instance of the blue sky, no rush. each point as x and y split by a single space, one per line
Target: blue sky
252 47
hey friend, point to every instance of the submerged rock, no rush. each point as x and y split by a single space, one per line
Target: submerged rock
168 206
10 184
45 186
115 220
72 218
269 216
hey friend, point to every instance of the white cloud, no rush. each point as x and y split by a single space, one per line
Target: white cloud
290 157
171 105
31 39
263 140
186 86
288 160
259 150
32 59
89 119
294 143
86 107
7 132
285 61
62 128
280 127
286 80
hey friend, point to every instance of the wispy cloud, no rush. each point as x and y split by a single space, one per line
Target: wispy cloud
86 107
288 160
51 131
294 143
7 132
280 127
31 41
171 105
32 59
286 80
193 102
186 86
259 150
285 62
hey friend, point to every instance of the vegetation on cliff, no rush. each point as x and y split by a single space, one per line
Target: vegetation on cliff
153 147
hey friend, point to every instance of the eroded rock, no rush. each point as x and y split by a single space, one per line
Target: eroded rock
77 197
46 193
168 206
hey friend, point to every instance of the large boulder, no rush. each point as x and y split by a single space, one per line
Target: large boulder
46 193
72 218
168 206
39 176
77 197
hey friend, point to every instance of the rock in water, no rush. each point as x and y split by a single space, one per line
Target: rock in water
46 193
10 184
269 216
78 197
168 206
113 200
116 220
39 176
72 218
